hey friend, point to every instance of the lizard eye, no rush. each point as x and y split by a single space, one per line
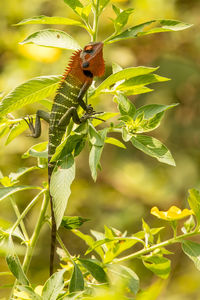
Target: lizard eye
88 49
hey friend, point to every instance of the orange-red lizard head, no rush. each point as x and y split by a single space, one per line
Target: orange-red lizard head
92 62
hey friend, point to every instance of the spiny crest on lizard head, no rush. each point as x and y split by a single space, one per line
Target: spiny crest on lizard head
87 63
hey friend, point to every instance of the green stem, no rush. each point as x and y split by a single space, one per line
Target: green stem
17 212
62 244
36 233
174 227
95 22
144 251
19 220
63 247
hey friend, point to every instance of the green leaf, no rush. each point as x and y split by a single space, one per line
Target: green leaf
46 103
67 146
72 222
97 139
128 33
154 148
78 8
16 130
94 159
61 180
4 128
111 242
95 269
189 225
39 150
16 268
53 286
129 242
151 110
146 125
85 11
29 92
126 107
79 147
122 19
160 26
126 275
117 10
103 4
77 281
42 163
159 265
20 172
30 292
194 202
104 116
126 136
89 241
98 243
140 80
8 191
192 250
116 68
82 128
50 20
17 233
168 25
116 142
124 74
136 90
147 118
52 38
147 233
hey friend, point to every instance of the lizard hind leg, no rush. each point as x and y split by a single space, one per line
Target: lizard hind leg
70 113
36 130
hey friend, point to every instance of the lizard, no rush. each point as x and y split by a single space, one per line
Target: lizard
84 65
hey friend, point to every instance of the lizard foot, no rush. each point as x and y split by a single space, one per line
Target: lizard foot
29 122
91 115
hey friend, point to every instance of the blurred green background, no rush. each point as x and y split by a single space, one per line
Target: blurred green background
130 183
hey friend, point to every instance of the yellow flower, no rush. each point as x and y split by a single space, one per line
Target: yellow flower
174 213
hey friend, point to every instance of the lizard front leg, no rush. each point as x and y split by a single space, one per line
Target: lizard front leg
36 130
88 108
72 111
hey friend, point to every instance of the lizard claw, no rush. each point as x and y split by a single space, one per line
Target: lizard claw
29 122
91 115
89 109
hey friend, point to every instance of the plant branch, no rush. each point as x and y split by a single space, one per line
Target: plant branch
63 247
95 22
17 212
144 251
20 217
36 233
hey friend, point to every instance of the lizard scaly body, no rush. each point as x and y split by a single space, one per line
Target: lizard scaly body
84 65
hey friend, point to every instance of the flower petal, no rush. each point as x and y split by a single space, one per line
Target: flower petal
173 213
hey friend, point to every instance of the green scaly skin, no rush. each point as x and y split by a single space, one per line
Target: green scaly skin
83 67
66 98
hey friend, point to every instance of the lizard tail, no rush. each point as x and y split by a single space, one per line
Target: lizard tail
53 227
